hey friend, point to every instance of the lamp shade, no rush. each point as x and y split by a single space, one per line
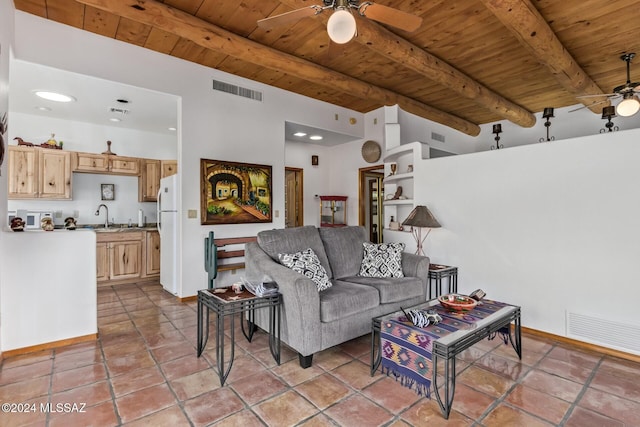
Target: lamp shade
341 26
629 105
497 128
421 216
608 112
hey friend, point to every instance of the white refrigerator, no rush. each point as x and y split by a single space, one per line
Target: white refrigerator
167 208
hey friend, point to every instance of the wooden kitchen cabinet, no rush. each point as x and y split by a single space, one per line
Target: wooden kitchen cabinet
127 256
105 164
169 167
39 173
149 181
152 254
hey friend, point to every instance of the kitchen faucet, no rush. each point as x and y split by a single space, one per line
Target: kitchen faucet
106 219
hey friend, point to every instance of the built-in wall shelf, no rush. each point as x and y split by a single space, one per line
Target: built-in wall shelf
398 202
398 176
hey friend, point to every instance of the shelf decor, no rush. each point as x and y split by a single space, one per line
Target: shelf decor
234 193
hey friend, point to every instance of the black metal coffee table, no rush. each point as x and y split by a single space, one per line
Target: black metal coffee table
225 302
449 346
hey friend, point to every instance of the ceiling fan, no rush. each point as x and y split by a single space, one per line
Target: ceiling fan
342 25
630 103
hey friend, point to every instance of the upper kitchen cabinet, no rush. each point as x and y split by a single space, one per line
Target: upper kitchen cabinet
169 167
105 164
149 181
39 173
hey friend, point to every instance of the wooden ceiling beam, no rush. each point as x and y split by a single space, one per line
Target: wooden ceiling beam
405 53
534 33
212 37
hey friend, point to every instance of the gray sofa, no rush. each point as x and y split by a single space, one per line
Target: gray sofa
313 321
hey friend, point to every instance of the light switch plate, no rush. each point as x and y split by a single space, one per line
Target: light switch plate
192 213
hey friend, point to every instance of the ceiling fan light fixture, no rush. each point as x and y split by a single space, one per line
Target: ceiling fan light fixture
629 105
341 26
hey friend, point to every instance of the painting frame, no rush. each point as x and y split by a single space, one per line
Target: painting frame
235 192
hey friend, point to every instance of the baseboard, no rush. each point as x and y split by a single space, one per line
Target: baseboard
188 299
584 345
46 346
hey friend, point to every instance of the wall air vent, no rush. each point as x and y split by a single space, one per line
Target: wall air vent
437 137
237 90
601 331
116 110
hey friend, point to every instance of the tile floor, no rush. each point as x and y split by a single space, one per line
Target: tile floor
143 371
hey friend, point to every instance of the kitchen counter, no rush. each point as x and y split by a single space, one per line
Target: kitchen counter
49 291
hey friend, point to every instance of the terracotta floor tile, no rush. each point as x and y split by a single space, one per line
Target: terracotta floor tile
27 359
265 357
163 338
183 366
186 322
623 386
157 319
358 346
33 416
612 406
111 311
136 380
581 417
552 384
426 413
66 380
356 410
487 382
331 358
131 362
243 366
293 374
324 390
472 354
20 373
111 319
144 402
320 420
89 395
575 357
258 387
503 366
287 409
121 338
391 395
173 351
505 415
77 348
356 374
470 402
575 373
620 368
212 406
195 384
538 403
169 417
124 349
66 361
115 328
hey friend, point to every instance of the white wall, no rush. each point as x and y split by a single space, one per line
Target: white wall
551 227
211 125
81 136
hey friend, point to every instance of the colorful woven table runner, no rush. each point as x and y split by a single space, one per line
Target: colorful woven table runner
406 349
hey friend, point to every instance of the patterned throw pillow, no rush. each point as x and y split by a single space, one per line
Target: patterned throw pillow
382 260
307 264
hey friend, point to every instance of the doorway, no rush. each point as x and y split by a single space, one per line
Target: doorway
293 197
370 198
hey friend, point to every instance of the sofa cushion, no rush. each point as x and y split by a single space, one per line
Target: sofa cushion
307 264
343 246
392 290
345 299
382 260
291 240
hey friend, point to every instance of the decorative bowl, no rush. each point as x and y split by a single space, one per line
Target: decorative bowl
457 302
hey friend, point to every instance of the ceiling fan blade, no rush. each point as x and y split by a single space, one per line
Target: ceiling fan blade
587 106
597 96
394 17
285 18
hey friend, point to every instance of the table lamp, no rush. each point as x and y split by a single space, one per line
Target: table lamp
419 218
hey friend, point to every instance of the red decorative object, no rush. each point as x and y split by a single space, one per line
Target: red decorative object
457 302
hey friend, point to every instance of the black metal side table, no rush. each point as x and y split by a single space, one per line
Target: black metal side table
227 303
437 272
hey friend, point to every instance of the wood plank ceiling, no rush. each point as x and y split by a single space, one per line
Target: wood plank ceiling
471 61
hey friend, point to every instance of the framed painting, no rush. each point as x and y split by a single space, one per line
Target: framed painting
234 193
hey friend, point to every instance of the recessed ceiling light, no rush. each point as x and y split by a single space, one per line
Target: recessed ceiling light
315 137
172 129
43 108
115 119
53 96
300 134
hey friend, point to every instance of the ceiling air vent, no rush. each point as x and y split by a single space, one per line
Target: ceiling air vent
237 90
116 110
437 137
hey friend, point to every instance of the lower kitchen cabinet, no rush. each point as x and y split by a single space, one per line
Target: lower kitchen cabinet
127 256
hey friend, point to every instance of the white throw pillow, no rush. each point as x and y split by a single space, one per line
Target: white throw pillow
307 264
382 260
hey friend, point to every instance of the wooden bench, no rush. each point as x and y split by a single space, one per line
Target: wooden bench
224 254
